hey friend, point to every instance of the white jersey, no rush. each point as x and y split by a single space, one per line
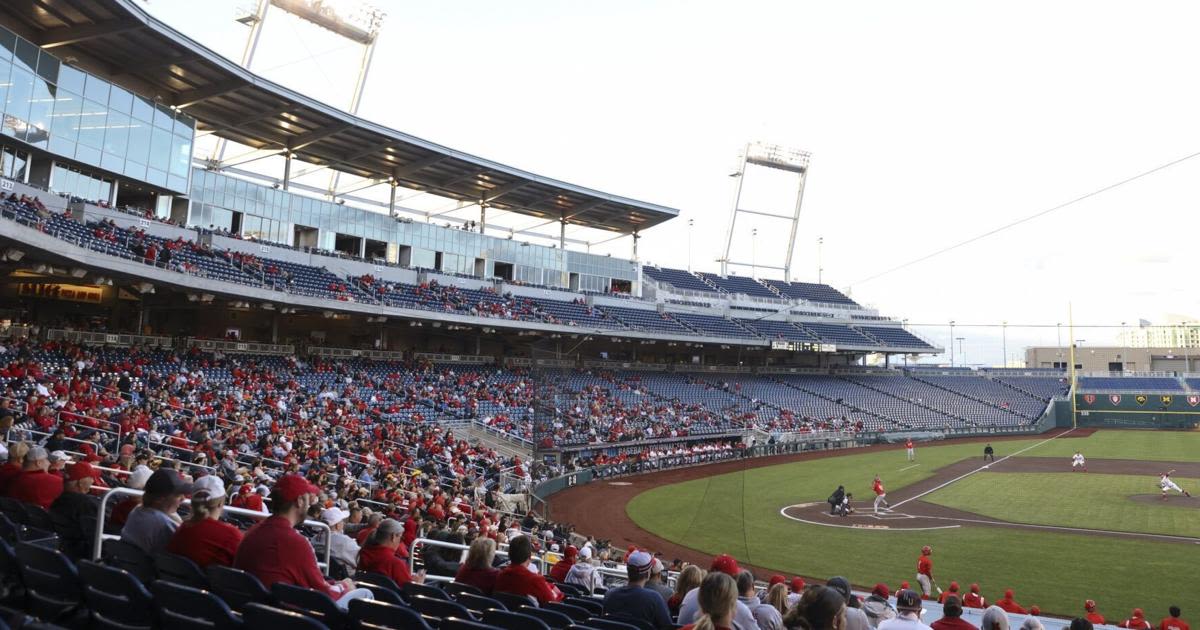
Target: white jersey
1077 459
1165 482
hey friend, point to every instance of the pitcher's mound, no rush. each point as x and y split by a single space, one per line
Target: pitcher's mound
1174 500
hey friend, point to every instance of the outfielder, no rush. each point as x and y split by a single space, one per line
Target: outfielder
912 454
1077 461
1165 483
925 571
880 495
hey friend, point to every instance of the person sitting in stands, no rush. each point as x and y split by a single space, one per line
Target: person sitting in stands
636 602
75 508
35 485
583 573
151 525
378 555
522 578
477 569
204 538
908 608
273 551
767 616
952 611
820 608
689 578
717 595
689 608
558 572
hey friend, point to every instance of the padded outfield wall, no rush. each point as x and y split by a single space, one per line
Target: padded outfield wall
1179 410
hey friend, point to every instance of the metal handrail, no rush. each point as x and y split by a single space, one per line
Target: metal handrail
100 537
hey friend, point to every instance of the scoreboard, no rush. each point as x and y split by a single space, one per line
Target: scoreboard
803 346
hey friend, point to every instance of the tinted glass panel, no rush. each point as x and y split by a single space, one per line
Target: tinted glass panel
120 101
116 137
65 120
16 108
27 55
8 43
92 121
96 89
71 79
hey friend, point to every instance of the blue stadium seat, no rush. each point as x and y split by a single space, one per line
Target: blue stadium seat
263 616
115 598
186 608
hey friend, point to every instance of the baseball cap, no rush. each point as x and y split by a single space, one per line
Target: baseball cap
1089 605
841 585
292 486
571 551
167 481
908 599
974 588
1137 612
1008 593
35 454
139 476
954 586
59 456
1035 610
332 516
881 590
952 607
777 579
207 487
797 584
725 563
639 563
657 567
903 585
80 470
585 553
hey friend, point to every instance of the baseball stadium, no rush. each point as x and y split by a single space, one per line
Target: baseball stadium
270 361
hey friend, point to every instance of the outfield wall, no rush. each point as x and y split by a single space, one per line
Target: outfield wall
1137 411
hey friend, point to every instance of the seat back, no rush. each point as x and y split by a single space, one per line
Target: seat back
553 618
576 613
454 623
513 621
180 570
611 624
478 603
116 599
51 581
512 601
185 608
378 579
263 616
237 587
387 615
428 590
435 607
308 602
458 588
592 606
126 555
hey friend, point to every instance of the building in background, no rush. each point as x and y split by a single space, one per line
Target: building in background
1178 332
1114 359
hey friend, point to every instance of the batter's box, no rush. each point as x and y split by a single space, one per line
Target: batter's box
891 516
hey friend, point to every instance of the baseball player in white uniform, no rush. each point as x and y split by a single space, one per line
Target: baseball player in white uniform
1165 483
1077 461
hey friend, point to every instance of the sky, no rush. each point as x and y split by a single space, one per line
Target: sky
929 123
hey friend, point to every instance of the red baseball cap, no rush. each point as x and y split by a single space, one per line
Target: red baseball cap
572 550
1137 612
974 588
881 590
725 563
904 585
292 487
954 586
1008 593
1089 605
1034 610
797 584
80 470
777 579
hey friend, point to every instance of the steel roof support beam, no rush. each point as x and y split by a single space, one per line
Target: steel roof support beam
229 125
320 133
187 98
66 35
346 159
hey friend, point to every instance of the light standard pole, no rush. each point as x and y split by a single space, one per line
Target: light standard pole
1058 331
1004 341
952 343
962 355
820 268
691 224
1187 340
754 252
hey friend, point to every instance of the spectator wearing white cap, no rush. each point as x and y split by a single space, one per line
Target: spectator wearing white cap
342 548
635 601
583 573
204 538
908 609
658 580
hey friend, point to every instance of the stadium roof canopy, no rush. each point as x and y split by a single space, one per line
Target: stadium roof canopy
120 39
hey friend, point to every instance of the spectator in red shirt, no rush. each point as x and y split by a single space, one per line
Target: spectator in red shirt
204 538
35 485
558 572
519 578
477 569
378 555
1173 622
952 611
1136 621
275 552
10 470
718 596
1009 605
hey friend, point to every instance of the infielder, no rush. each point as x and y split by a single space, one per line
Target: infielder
1166 484
925 571
1077 461
912 454
880 495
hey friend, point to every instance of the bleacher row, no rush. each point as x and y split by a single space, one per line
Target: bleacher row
705 282
317 282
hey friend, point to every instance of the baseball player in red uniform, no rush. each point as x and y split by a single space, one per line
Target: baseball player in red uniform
1096 618
912 454
925 571
880 494
973 599
1173 622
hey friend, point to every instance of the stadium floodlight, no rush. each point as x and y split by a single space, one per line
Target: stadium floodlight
776 158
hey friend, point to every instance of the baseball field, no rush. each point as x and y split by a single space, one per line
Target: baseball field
1025 522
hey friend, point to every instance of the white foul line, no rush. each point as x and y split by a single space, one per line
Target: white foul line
984 467
885 528
1077 530
908 467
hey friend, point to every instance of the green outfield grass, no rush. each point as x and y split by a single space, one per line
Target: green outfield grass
1054 570
1073 500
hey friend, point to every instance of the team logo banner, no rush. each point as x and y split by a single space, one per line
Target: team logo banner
1089 398
1115 398
1141 399
1166 400
1193 400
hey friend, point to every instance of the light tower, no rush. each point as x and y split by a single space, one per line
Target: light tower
777 158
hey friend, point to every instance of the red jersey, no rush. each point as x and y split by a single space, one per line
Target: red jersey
519 580
1173 623
381 560
975 600
37 487
1011 606
925 566
878 488
482 579
945 594
1136 623
275 552
908 443
558 572
206 542
1095 618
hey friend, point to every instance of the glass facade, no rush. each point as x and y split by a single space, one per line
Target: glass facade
68 112
223 202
